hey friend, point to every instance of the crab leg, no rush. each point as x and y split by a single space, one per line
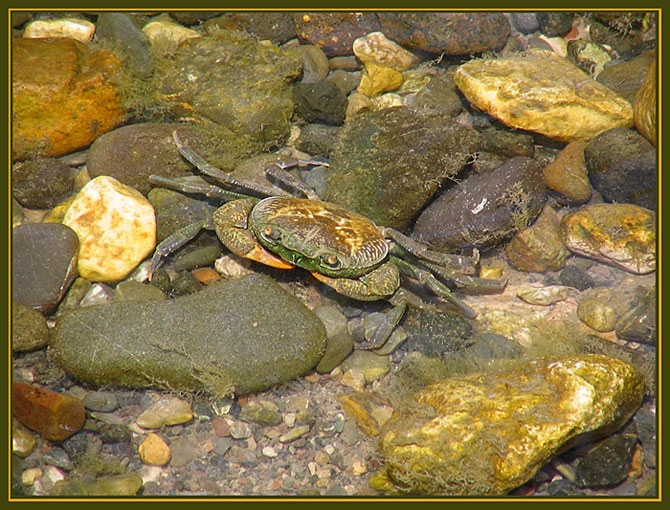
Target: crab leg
214 172
459 263
469 284
427 278
286 178
176 241
203 189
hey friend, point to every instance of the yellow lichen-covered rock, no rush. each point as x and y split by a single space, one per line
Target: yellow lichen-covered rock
622 235
485 434
376 47
116 227
645 106
539 91
377 79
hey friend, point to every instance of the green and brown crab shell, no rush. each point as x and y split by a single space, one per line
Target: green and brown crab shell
318 236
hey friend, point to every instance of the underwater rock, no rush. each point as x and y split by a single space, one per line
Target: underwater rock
626 78
376 47
644 106
163 31
44 264
638 324
485 434
621 235
235 82
277 27
373 173
539 247
320 101
61 97
597 314
622 167
542 92
568 176
377 79
446 33
484 208
231 337
41 183
116 227
72 28
334 32
29 329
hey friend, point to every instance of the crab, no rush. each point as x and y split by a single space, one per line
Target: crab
339 247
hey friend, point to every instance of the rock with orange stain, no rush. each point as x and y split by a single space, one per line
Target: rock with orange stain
116 227
62 99
54 415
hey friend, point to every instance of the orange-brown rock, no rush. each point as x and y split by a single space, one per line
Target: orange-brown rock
568 175
644 108
54 415
62 97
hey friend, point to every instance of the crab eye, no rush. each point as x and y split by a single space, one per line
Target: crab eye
271 234
330 260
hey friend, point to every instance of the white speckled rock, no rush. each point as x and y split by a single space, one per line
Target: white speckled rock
73 28
542 92
167 30
116 227
376 47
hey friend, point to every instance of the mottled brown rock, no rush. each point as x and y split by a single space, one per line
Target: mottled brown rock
539 247
622 235
644 108
377 79
54 415
334 32
541 92
568 176
62 99
376 47
154 451
485 434
449 33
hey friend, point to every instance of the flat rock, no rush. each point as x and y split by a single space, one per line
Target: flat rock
644 106
542 92
621 235
485 434
116 227
44 264
231 337
164 412
376 47
29 329
567 174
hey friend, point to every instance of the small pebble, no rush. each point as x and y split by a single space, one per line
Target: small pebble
154 451
29 476
167 411
269 451
102 401
353 379
294 433
58 457
240 430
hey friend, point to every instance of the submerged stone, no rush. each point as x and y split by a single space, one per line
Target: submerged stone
235 336
542 92
485 434
620 235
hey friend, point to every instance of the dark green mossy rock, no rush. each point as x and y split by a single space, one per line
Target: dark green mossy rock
236 336
389 163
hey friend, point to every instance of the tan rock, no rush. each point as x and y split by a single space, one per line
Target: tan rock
357 103
168 31
389 100
73 28
166 411
116 227
622 235
376 47
154 451
645 106
377 79
597 314
539 247
541 92
568 176
485 434
62 99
